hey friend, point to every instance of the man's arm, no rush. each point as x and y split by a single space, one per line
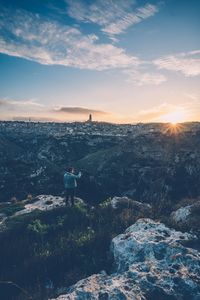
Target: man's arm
76 176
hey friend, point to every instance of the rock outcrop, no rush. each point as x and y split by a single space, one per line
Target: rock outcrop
40 203
150 262
125 202
187 217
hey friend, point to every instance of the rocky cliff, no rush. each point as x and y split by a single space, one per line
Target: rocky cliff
151 261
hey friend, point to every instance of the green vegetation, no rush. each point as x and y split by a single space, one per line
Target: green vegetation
10 209
62 245
37 227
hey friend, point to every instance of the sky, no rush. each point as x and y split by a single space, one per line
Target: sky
124 61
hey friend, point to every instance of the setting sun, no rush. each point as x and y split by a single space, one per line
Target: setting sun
175 117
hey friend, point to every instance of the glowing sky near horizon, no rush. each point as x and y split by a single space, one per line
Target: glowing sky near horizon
123 61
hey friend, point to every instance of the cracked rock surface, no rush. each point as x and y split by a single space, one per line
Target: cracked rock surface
150 262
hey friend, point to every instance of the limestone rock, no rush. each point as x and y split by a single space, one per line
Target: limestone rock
125 202
187 217
150 263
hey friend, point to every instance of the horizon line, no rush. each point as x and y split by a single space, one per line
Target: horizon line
98 122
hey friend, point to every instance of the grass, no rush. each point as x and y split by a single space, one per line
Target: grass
11 209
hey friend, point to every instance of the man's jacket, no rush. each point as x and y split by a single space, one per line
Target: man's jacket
70 180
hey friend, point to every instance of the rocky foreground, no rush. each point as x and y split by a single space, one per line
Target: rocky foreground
151 261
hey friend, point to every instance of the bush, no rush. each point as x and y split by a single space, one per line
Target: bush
11 209
38 227
85 237
63 245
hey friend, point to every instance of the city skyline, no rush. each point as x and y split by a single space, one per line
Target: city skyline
121 61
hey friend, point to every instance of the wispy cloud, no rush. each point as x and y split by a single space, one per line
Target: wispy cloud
114 17
32 37
34 119
35 38
2 102
141 78
11 108
30 109
9 104
79 111
29 36
130 19
157 112
186 63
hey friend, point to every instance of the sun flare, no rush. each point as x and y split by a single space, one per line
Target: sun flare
177 116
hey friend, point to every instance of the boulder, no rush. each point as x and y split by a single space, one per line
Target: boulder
125 202
150 262
187 217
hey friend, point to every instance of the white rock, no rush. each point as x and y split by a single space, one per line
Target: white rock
181 214
42 203
115 202
150 263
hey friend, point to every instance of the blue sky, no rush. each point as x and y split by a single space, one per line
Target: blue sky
123 61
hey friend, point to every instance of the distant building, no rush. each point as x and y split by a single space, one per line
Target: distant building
90 118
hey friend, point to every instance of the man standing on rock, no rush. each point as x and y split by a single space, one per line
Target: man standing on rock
70 184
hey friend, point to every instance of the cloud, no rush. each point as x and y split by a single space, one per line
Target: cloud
34 119
155 113
20 105
114 17
193 96
32 37
186 63
11 109
144 78
130 19
29 36
79 110
2 102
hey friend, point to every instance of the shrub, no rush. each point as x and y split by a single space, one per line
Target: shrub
11 209
85 237
38 227
106 203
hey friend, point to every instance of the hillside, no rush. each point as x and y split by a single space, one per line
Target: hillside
134 232
146 162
